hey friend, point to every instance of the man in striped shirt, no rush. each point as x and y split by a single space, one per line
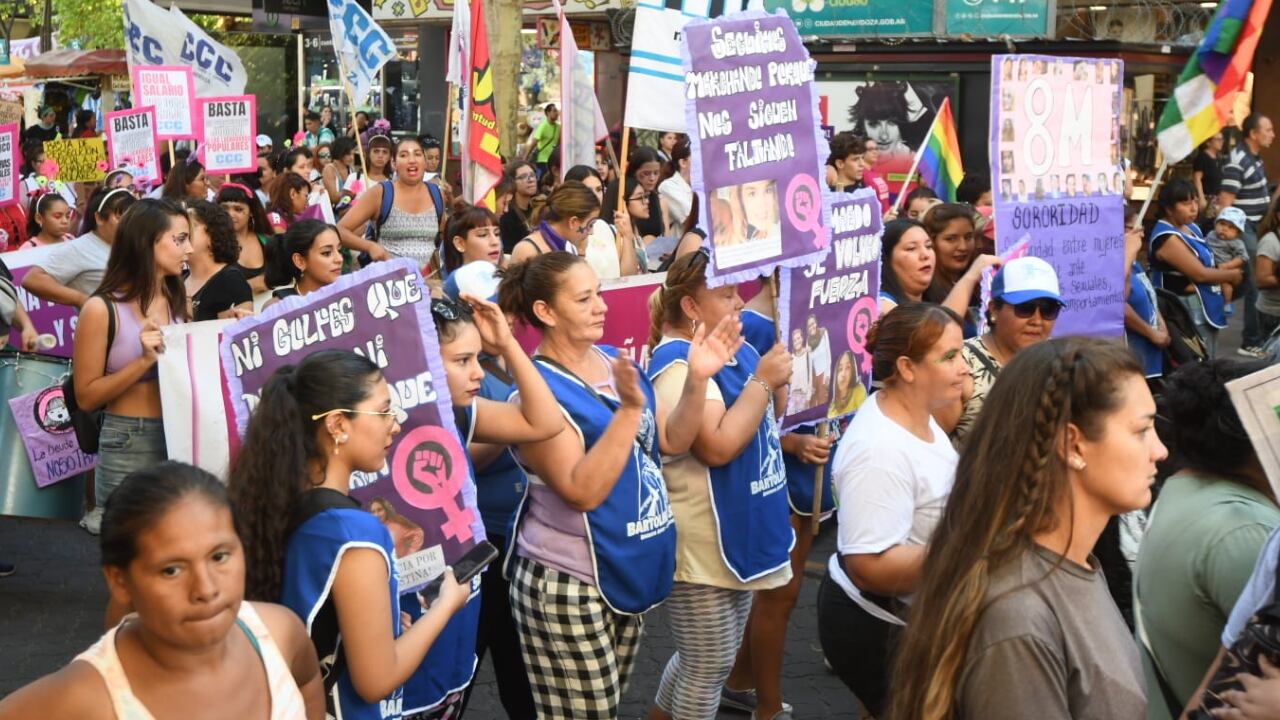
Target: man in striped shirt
1244 185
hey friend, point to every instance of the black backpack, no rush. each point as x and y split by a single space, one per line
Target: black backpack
1185 346
88 423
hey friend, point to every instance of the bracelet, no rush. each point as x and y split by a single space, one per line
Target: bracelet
757 379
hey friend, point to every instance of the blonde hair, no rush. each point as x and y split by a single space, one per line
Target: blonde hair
687 275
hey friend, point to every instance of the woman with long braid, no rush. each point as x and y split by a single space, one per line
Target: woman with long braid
1012 618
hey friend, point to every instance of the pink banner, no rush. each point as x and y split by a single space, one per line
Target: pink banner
171 89
132 142
9 160
228 131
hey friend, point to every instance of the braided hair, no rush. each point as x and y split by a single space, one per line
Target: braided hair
994 512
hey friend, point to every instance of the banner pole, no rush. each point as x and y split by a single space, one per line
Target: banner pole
622 169
817 482
915 165
447 146
1155 184
172 157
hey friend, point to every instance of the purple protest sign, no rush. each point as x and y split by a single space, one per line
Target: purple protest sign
1058 179
44 423
48 317
758 153
826 310
382 312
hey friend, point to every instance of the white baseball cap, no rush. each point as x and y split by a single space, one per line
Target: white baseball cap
1024 279
264 141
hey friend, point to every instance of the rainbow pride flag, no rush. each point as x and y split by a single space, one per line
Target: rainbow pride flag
1206 91
940 166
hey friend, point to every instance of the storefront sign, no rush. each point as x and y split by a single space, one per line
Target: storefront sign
993 18
1057 178
44 423
171 90
758 153
834 18
78 160
443 9
131 137
383 313
228 127
587 35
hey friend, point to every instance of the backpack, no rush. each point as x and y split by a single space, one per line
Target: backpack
1185 345
1260 637
88 423
384 212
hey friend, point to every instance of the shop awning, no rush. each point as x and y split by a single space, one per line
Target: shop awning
76 63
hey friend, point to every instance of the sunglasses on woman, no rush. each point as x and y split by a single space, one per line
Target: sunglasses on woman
1049 309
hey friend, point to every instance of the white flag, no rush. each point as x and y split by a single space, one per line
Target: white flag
459 44
581 122
655 83
362 46
154 36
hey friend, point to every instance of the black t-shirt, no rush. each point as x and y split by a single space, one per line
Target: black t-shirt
1212 179
35 132
226 289
651 225
512 228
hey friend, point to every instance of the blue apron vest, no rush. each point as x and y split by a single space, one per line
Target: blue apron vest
311 557
1142 298
748 495
758 331
451 661
1210 294
500 485
632 534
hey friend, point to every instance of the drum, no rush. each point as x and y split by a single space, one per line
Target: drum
20 374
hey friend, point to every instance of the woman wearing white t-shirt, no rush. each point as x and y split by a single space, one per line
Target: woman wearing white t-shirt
892 475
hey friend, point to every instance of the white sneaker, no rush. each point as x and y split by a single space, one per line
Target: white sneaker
92 521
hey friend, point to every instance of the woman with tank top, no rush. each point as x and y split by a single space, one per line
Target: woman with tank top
595 538
142 290
194 648
253 231
728 493
305 258
565 223
488 426
410 229
312 547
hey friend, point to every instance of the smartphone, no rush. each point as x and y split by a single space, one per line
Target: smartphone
467 567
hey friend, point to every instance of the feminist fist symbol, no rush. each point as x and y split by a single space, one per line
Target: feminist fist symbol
427 475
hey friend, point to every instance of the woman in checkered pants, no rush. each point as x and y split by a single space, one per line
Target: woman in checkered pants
595 537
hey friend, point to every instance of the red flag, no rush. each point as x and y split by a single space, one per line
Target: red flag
482 131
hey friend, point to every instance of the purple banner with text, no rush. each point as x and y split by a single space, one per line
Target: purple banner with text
1058 180
425 494
827 309
758 151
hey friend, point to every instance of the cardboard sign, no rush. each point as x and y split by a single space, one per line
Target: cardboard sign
44 423
229 127
826 310
131 137
381 312
11 111
78 160
171 91
1058 178
758 155
10 158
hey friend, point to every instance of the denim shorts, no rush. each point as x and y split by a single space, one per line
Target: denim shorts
125 445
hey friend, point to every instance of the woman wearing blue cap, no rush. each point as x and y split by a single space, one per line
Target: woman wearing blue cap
1025 302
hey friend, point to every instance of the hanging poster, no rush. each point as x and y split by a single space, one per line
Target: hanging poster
131 138
826 310
171 90
228 127
382 312
758 153
1057 179
44 423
